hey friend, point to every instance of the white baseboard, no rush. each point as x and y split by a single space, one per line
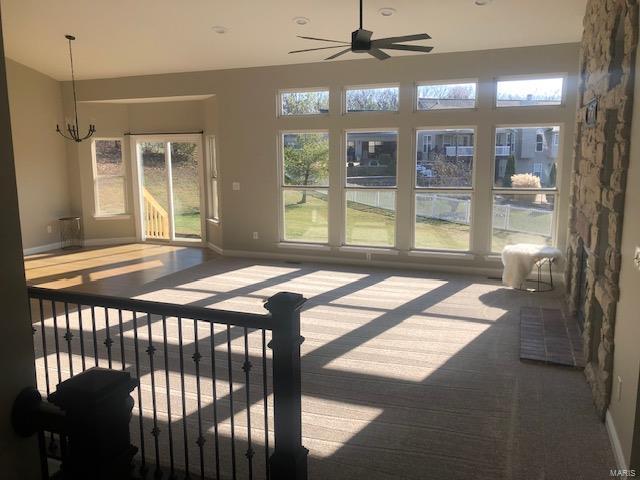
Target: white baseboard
215 248
96 242
41 248
491 272
615 442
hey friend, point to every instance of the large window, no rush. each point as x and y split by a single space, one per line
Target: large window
109 177
305 186
370 208
300 102
446 96
375 99
212 166
529 92
525 185
443 188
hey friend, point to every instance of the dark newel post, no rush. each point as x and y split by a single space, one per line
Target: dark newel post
97 408
289 459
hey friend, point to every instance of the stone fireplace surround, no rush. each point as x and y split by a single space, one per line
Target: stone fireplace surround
601 160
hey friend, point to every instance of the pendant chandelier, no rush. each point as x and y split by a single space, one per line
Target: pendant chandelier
74 130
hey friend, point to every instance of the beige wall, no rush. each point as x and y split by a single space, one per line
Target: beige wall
40 153
113 120
18 456
626 364
248 131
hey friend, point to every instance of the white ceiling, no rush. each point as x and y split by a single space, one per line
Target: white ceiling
136 37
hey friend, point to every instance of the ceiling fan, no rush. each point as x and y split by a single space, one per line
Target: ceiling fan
361 43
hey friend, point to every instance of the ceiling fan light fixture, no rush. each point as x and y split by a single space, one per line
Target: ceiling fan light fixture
219 29
482 3
301 20
387 11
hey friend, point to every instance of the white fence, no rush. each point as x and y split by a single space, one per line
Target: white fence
535 221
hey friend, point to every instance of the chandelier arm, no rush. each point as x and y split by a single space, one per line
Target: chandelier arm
65 136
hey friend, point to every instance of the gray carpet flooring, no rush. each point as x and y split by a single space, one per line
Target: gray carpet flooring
406 375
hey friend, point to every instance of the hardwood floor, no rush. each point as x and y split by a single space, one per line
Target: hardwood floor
112 270
406 375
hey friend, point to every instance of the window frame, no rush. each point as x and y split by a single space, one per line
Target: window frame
347 88
94 172
471 190
555 191
445 82
540 76
280 114
213 178
344 189
282 187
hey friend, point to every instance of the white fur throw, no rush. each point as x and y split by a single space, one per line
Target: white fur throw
519 259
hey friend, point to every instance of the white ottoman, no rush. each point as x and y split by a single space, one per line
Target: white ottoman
519 260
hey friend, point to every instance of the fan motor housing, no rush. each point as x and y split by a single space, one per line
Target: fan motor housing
361 40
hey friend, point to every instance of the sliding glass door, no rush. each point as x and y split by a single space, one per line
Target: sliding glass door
169 178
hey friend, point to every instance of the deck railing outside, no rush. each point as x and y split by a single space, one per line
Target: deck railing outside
205 407
156 217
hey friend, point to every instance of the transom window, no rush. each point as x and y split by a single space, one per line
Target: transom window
109 177
305 186
529 92
446 96
372 99
299 102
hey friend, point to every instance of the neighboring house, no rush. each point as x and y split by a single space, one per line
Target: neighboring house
366 148
534 149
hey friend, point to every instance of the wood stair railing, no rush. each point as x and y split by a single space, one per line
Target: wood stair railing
156 217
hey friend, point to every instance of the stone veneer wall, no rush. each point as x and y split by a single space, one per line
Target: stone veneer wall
601 160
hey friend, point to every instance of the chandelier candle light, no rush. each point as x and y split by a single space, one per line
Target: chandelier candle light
74 129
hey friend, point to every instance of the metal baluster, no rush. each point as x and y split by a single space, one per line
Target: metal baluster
68 336
108 342
82 353
215 397
155 431
124 365
55 336
196 358
52 442
143 462
95 335
231 411
246 366
166 372
264 401
184 406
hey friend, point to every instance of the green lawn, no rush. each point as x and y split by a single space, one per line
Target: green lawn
307 222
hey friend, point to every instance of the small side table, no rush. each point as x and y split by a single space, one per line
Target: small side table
70 232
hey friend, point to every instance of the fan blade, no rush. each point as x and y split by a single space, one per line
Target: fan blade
379 54
336 55
323 40
410 48
406 38
313 49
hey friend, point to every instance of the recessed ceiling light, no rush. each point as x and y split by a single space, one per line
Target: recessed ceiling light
301 20
387 11
482 3
219 29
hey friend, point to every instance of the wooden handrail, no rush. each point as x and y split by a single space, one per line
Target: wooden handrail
211 315
156 217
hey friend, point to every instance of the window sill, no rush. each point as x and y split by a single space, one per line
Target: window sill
372 250
441 254
305 246
125 216
493 257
